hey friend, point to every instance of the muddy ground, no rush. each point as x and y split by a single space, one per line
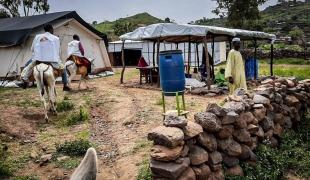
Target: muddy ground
120 118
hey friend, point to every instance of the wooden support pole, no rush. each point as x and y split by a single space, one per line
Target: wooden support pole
271 60
177 46
207 62
158 49
189 55
148 52
197 52
154 53
212 71
123 62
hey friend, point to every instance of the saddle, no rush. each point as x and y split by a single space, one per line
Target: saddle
80 62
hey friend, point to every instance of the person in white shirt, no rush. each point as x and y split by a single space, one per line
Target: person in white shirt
76 53
45 48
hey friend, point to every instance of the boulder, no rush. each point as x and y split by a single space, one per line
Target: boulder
279 118
162 153
248 117
287 122
258 106
246 151
237 107
166 136
44 159
208 141
234 171
259 99
278 130
278 98
291 100
215 167
267 81
230 161
241 122
264 91
185 151
260 133
242 135
171 170
192 129
290 83
188 174
216 109
230 147
267 124
198 155
175 121
252 129
217 175
230 118
225 132
215 158
202 172
268 134
259 114
208 121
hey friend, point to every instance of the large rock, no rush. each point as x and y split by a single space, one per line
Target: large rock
242 135
241 122
291 101
234 106
260 133
278 98
215 167
202 172
185 151
166 136
198 155
171 170
175 121
278 130
264 91
217 175
225 132
248 117
258 106
279 118
208 121
287 122
259 113
269 134
234 171
192 129
230 118
252 129
259 99
162 153
230 161
44 159
208 141
215 158
216 109
246 152
188 174
267 124
230 147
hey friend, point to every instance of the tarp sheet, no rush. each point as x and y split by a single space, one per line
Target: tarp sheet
171 32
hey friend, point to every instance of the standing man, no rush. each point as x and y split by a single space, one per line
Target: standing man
45 48
235 73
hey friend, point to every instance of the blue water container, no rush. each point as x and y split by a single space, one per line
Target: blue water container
171 69
251 68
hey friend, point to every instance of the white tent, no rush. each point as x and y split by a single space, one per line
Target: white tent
15 52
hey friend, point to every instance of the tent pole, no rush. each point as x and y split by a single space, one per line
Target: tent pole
207 61
158 49
177 46
154 54
148 52
197 52
123 62
189 55
255 58
212 57
271 60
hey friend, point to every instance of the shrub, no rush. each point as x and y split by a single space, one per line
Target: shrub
65 105
5 169
73 148
144 171
77 117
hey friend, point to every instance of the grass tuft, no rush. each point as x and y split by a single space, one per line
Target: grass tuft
70 163
73 148
64 105
144 172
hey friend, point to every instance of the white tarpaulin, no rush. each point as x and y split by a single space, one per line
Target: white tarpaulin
172 32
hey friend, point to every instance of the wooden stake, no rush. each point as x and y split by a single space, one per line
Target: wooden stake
207 61
123 62
271 60
189 55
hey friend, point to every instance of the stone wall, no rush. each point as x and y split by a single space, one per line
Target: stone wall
227 135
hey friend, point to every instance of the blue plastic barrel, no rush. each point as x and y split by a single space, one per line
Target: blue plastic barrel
171 69
251 68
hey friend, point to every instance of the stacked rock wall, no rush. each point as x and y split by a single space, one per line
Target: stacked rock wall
227 135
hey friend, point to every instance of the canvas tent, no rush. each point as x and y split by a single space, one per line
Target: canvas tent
16 36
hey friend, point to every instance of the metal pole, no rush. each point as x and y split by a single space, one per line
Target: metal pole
207 61
123 62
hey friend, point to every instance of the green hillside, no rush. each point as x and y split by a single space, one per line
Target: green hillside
135 21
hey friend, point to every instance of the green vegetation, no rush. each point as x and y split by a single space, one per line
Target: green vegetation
69 163
29 177
144 172
278 46
76 117
64 105
291 61
73 148
300 72
142 144
123 25
293 155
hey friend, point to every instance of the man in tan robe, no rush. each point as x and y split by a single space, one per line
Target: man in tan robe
234 71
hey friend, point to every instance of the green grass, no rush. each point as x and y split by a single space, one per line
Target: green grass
69 163
73 118
85 134
292 61
73 148
29 177
64 105
300 72
144 172
141 145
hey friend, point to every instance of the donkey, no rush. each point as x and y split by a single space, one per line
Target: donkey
44 76
87 170
73 70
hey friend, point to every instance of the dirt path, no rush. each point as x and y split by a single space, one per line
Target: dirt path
120 120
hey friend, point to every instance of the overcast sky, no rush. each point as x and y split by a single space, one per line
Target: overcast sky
182 11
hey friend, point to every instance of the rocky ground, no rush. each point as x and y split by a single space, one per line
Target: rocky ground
119 120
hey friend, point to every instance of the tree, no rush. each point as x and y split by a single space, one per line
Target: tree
167 20
4 13
94 23
297 35
28 6
240 13
121 28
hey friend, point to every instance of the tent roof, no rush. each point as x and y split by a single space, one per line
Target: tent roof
14 31
171 32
